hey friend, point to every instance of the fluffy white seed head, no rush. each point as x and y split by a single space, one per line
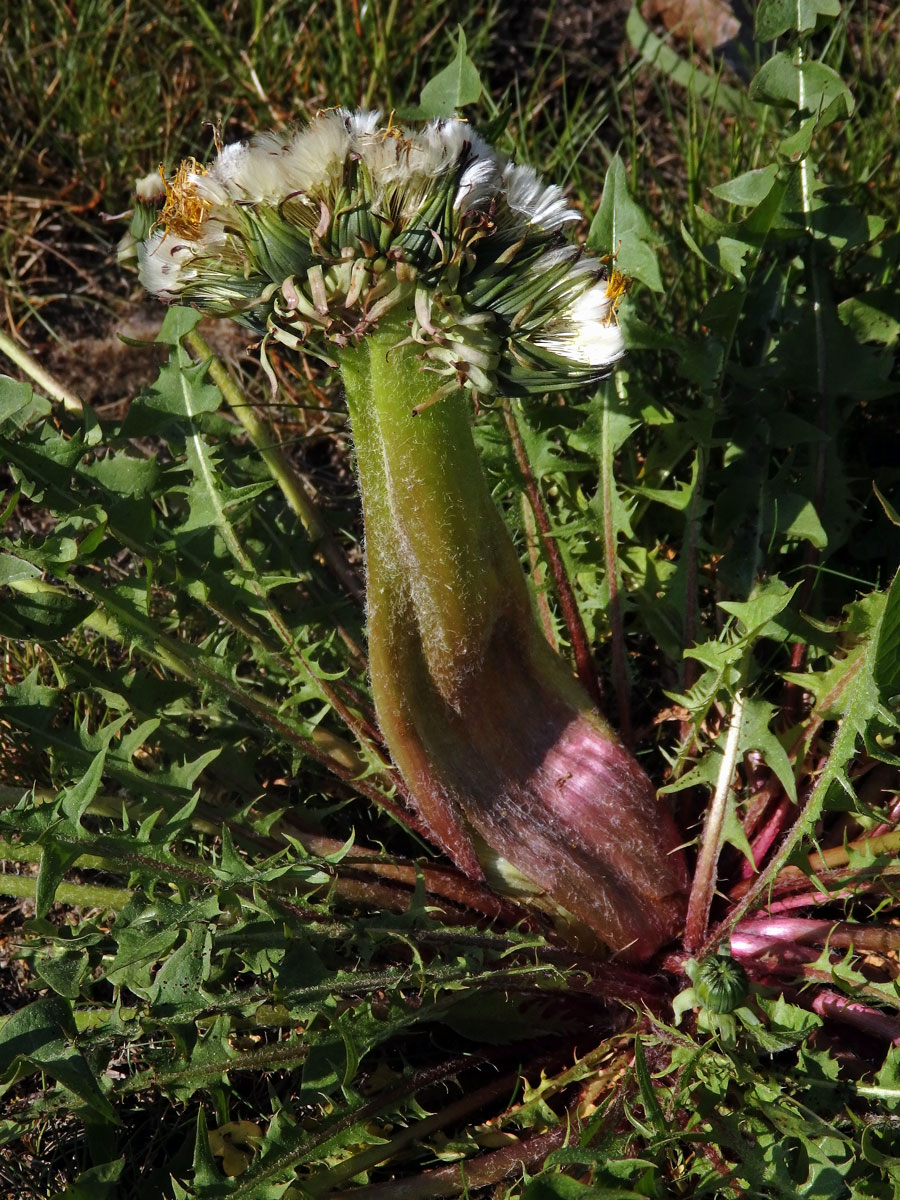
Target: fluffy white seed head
150 189
311 236
587 332
163 264
540 204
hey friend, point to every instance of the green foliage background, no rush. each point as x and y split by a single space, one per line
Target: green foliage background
244 976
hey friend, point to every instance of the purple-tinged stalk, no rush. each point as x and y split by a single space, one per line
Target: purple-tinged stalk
510 765
427 267
777 950
865 1018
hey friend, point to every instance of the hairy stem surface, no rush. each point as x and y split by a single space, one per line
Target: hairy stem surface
516 775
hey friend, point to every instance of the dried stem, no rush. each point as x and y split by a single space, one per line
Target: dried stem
47 382
705 875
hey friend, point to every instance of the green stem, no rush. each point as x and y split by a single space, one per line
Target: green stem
81 895
584 665
15 852
537 572
432 530
611 565
293 487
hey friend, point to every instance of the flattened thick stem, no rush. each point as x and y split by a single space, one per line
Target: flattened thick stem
508 762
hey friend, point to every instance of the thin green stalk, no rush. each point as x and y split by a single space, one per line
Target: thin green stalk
380 75
293 486
279 1057
360 726
584 663
123 625
17 852
443 881
819 290
689 666
184 660
47 382
204 468
537 571
610 557
79 895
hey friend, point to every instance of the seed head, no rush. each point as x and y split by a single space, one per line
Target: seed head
310 238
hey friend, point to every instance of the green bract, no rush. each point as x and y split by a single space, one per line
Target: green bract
722 983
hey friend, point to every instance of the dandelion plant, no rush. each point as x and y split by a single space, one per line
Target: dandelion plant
434 273
231 967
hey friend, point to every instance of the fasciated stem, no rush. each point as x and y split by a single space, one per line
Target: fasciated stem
432 531
512 769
